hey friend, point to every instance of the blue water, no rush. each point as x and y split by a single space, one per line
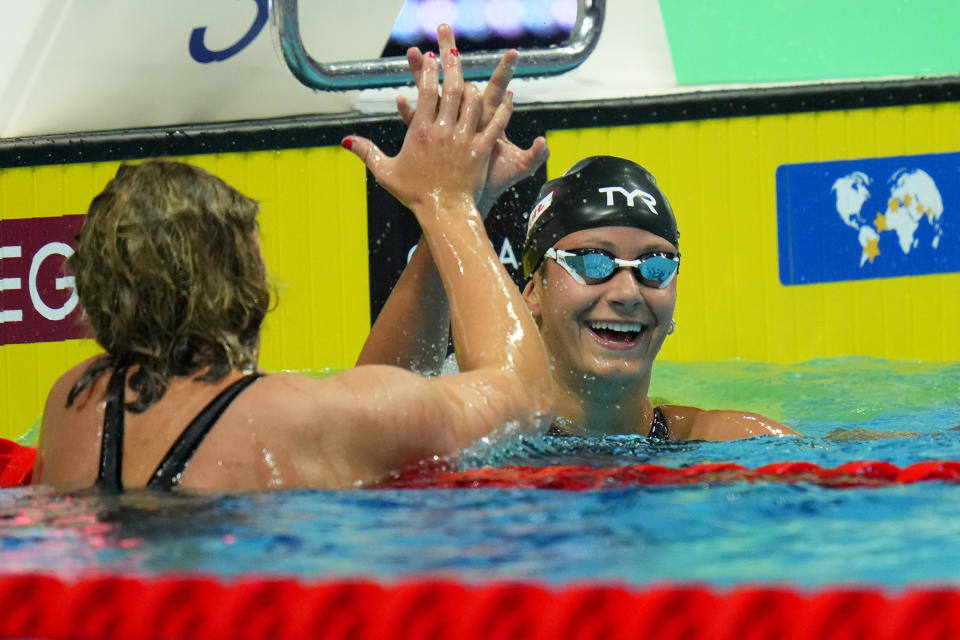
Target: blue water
722 534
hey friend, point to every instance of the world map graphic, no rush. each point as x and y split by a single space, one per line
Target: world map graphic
912 199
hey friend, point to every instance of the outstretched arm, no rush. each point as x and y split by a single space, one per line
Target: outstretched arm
411 329
445 156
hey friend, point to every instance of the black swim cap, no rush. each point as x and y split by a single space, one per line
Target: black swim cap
600 191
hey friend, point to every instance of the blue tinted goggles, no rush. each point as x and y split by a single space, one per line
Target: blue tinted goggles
593 266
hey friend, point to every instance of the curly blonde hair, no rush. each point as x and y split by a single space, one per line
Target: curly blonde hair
169 274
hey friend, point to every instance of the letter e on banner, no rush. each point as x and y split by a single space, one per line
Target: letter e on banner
38 301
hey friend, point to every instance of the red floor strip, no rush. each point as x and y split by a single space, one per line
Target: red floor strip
46 608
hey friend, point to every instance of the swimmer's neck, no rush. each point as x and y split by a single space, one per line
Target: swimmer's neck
604 407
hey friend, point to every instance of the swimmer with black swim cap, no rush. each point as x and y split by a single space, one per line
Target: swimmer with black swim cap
576 200
602 257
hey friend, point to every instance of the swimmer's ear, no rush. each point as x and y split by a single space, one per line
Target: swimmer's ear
532 297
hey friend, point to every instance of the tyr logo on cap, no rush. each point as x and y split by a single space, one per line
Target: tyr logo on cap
647 199
538 210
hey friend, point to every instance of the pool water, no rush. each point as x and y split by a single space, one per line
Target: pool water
722 534
820 395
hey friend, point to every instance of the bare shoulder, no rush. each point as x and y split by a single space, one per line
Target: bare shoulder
67 434
692 423
55 409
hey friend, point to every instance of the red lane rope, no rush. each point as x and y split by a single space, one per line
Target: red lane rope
861 473
16 463
16 466
111 607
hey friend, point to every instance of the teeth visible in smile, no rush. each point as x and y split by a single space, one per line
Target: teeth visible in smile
634 327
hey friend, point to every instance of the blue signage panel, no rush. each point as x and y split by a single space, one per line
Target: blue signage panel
870 218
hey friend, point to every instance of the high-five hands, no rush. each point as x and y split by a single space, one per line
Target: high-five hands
450 139
508 163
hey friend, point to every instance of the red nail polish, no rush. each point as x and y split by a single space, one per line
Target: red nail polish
454 53
510 93
347 143
430 54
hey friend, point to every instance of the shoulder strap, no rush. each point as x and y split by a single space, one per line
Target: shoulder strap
172 466
659 428
110 476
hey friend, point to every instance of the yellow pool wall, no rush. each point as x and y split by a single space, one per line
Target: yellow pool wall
719 175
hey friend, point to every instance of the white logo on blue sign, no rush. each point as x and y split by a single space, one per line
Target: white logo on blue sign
870 218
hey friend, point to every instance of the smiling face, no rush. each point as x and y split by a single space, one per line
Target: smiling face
612 330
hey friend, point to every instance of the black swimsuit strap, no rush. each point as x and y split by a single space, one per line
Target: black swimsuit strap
659 428
173 465
110 476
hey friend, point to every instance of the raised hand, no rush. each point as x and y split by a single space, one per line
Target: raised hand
411 329
446 151
508 163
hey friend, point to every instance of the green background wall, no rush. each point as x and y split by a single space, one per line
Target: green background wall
724 41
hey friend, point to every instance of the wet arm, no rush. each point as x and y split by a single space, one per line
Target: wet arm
411 330
444 157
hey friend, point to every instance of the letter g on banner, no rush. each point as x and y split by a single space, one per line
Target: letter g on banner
64 282
200 52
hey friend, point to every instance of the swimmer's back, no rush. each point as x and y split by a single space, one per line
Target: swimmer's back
283 431
240 451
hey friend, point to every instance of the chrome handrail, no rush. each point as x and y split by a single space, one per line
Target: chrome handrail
364 74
